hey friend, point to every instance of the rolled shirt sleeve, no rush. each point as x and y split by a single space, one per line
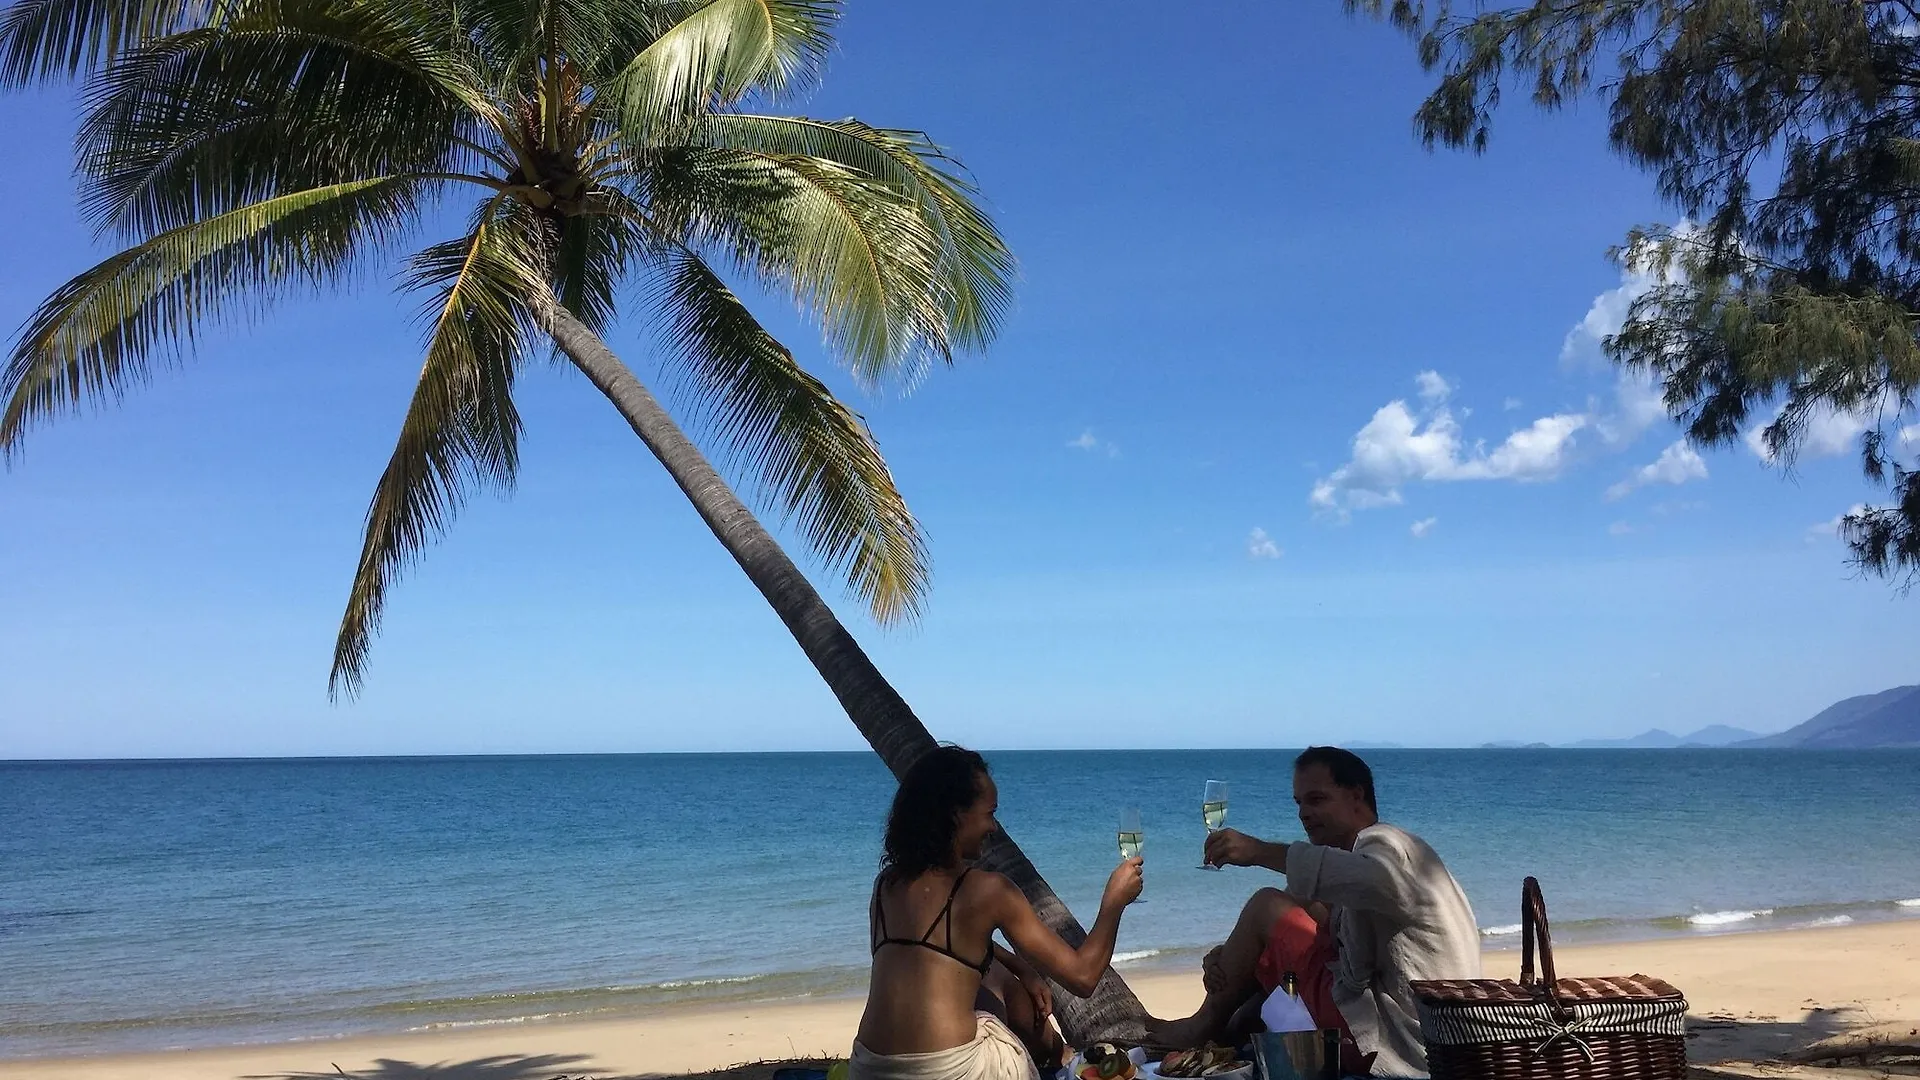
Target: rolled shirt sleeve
1372 877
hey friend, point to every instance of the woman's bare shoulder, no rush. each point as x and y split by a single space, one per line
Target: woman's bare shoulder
990 878
990 888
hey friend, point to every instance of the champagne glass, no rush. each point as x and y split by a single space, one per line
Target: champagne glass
1213 809
1133 838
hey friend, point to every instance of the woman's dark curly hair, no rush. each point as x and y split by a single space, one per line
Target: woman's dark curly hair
926 811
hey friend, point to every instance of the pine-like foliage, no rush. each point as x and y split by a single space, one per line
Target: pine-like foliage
245 150
1788 134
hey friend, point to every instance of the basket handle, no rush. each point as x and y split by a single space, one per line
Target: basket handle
1533 924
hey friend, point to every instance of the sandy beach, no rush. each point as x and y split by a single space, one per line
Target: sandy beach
1754 996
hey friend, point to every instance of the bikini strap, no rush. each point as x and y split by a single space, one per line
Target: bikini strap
946 912
880 913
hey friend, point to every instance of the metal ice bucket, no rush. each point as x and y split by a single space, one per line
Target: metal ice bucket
1298 1055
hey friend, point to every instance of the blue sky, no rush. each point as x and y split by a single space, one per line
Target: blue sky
1298 433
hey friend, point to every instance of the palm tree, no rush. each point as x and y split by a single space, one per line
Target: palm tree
248 149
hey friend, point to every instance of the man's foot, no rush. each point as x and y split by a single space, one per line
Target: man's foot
1177 1034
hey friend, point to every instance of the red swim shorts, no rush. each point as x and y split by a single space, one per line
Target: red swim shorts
1298 944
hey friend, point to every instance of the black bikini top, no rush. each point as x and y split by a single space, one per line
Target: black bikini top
926 940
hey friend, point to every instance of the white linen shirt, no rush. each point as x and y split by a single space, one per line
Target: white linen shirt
1398 916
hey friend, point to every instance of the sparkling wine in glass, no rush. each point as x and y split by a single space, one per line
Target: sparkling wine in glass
1213 808
1133 838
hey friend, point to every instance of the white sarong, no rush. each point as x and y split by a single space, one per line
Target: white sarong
994 1054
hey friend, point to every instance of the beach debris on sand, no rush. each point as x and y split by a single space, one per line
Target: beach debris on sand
1892 1048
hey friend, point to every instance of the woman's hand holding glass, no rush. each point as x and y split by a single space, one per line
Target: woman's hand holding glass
1125 883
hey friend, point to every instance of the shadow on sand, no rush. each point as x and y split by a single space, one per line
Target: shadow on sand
1720 1047
498 1067
526 1067
1760 1038
1829 1043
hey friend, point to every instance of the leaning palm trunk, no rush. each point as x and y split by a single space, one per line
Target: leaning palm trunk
880 713
248 150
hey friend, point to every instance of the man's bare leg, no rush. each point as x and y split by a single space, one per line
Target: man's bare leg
1027 1024
1231 982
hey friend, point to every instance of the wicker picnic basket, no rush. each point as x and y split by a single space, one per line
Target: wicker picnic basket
1618 1028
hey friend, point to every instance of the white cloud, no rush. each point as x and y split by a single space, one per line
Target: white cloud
1583 347
1421 528
1261 546
1425 441
1535 452
1637 406
1827 434
1619 528
1397 447
1676 465
1827 530
1910 435
1092 443
1390 450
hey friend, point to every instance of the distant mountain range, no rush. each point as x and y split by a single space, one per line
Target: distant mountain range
1712 735
1715 735
1888 719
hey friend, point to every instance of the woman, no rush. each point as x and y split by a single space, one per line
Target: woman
932 923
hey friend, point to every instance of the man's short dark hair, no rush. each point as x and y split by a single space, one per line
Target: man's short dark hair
1346 768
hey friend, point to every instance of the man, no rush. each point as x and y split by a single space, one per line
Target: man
1368 908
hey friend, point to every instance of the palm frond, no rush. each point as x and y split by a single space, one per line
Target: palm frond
594 254
43 40
718 53
96 334
812 456
289 95
595 38
619 33
461 426
978 267
856 253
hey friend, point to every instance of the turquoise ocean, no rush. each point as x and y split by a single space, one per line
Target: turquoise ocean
187 903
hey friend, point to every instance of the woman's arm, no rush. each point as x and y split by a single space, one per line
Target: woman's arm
1012 962
1078 970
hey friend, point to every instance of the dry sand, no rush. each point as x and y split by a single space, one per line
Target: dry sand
1754 998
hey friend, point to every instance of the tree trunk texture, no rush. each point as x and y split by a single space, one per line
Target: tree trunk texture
880 713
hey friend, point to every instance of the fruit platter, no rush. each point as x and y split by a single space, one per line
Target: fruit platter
1211 1061
1105 1061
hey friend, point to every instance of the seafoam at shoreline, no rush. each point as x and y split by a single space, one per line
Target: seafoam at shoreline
1843 977
673 996
1733 920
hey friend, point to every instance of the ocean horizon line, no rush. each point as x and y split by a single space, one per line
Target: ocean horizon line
518 755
